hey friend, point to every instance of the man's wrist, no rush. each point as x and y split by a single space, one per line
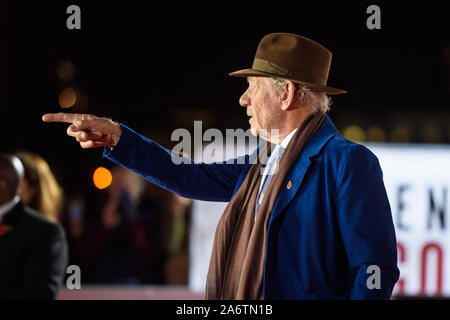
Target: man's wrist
115 136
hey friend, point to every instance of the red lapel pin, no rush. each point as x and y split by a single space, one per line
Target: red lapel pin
4 229
289 185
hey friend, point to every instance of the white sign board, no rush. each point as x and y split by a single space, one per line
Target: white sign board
417 178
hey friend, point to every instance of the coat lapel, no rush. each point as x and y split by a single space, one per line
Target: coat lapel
12 219
10 241
295 177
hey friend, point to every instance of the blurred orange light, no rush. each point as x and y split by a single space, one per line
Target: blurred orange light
67 98
102 178
66 71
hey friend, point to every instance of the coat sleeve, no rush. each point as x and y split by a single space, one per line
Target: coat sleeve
210 182
366 226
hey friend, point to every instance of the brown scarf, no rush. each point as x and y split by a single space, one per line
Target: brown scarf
237 260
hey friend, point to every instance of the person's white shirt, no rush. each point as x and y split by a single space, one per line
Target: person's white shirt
8 206
274 154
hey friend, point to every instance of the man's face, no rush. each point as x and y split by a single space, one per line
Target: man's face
4 192
263 106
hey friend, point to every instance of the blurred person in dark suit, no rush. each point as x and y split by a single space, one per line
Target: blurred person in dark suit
33 250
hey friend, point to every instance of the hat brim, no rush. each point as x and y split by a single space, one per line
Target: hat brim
256 73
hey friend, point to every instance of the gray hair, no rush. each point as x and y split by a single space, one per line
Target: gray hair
318 101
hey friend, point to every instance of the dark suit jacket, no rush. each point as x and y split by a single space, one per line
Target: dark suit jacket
33 256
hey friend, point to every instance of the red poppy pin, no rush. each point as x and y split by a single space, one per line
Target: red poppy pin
4 229
289 185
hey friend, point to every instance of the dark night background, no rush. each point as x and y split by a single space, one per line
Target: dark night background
159 67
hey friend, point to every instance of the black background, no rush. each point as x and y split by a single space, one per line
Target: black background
159 66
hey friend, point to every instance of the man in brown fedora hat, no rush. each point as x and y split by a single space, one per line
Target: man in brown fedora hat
313 222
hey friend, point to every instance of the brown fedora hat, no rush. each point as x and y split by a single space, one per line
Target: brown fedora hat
292 57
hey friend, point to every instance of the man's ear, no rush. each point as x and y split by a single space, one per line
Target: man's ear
287 96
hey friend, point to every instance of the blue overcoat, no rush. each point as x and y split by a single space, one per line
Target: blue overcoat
330 235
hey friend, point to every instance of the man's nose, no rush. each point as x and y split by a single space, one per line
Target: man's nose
244 100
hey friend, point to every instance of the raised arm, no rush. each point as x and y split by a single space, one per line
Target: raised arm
212 182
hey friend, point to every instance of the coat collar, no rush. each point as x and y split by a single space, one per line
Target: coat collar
14 216
314 146
295 177
8 206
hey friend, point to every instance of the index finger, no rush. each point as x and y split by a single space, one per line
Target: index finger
65 117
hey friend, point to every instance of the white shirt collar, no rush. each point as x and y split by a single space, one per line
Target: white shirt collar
6 207
283 144
276 152
288 138
279 148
